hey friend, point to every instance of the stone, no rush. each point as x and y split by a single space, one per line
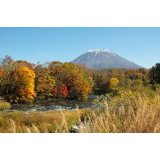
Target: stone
75 129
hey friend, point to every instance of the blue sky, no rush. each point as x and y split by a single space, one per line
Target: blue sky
140 45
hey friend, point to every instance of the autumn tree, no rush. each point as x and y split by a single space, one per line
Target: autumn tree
24 84
48 83
7 83
17 81
113 85
62 91
100 82
26 64
78 84
44 82
55 68
1 71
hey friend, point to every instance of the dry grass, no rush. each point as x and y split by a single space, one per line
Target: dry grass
38 122
138 114
142 117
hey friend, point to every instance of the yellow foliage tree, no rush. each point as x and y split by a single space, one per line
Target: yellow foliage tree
113 84
24 84
45 85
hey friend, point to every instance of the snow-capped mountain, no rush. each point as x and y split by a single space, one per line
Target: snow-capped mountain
104 59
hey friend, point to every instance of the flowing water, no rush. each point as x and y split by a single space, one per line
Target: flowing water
57 105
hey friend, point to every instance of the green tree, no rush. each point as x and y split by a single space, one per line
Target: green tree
7 82
154 74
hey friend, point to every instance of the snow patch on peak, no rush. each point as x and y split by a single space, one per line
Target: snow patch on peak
94 51
99 51
107 50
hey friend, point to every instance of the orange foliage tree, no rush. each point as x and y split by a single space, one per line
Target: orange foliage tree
78 84
62 91
44 82
24 84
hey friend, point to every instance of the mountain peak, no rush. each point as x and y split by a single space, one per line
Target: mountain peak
104 59
99 51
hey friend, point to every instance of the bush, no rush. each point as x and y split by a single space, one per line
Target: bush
5 105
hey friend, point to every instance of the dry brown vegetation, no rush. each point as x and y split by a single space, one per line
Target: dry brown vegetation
142 117
129 113
35 122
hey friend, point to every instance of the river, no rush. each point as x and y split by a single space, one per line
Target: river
55 105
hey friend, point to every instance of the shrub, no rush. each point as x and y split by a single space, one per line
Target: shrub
4 105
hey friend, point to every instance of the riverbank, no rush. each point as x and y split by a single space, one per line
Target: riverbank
41 122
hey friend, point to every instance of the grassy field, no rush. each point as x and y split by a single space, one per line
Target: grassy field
39 122
128 112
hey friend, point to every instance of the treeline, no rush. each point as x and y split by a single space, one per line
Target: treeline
127 78
21 81
132 79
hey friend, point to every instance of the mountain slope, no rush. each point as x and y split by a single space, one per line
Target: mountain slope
104 59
